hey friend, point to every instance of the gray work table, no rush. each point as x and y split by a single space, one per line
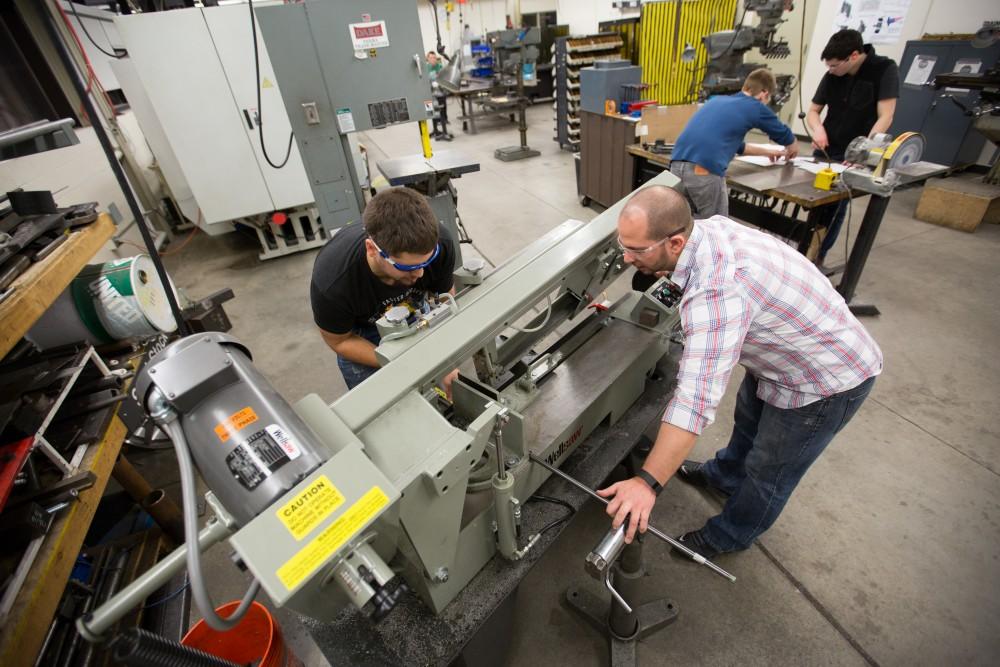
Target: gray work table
478 92
412 635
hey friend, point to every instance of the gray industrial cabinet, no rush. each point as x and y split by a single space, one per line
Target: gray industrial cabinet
951 140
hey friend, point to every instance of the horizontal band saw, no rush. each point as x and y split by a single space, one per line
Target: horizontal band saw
393 487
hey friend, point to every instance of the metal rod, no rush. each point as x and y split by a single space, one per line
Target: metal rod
116 168
93 625
618 598
498 440
696 557
498 425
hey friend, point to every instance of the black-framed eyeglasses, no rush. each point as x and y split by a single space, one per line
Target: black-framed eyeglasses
408 267
643 251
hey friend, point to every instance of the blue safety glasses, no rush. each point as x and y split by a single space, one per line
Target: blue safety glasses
408 267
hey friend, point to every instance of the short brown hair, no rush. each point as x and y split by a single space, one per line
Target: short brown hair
759 81
666 211
399 220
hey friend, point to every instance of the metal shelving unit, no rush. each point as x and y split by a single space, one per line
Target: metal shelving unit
570 54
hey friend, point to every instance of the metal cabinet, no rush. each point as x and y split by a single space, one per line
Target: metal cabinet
196 70
951 140
606 168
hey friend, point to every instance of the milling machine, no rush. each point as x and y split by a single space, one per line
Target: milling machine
726 70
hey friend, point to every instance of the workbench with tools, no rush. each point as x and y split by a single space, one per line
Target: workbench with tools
33 593
775 198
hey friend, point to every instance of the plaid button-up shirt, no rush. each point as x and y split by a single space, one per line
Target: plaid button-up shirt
751 299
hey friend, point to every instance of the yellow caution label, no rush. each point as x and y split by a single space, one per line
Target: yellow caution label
313 555
308 509
236 422
266 83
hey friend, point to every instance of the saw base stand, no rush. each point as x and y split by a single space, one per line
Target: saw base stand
623 628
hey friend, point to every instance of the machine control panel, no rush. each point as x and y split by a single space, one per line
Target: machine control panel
666 292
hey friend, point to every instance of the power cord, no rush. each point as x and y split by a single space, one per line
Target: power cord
805 126
548 315
260 110
560 520
72 6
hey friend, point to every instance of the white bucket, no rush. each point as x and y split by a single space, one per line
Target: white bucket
107 302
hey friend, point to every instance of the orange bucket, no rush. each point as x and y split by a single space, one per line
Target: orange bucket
256 638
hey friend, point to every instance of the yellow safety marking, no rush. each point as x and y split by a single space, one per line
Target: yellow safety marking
235 422
302 565
308 509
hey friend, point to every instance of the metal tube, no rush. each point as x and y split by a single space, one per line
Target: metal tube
166 514
698 558
155 502
40 128
93 626
503 506
498 441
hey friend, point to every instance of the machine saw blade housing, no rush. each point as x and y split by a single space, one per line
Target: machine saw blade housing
877 158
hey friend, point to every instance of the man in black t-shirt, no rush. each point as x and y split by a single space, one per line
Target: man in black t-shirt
396 257
859 92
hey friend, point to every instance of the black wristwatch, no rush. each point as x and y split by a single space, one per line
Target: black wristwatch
650 480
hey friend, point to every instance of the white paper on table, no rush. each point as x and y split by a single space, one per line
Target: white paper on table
774 148
759 160
816 167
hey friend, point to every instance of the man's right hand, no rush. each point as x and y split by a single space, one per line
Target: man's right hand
820 140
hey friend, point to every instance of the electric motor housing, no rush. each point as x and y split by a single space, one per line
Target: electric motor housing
247 442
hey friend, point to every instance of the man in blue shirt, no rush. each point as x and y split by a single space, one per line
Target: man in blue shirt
714 135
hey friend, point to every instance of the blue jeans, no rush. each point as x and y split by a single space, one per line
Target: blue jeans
768 453
354 373
833 221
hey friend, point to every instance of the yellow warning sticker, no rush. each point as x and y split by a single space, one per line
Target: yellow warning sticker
313 555
235 422
308 509
266 83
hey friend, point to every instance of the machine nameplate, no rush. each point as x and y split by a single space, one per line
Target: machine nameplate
306 511
370 35
235 422
300 566
259 456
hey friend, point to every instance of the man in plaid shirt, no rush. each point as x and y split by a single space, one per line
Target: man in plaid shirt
753 300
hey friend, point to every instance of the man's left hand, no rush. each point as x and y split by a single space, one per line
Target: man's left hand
632 498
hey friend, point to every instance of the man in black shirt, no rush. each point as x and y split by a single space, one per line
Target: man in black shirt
396 257
859 92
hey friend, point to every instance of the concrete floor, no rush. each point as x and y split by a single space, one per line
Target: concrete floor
888 551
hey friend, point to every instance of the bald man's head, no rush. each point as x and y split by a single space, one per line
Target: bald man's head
665 210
